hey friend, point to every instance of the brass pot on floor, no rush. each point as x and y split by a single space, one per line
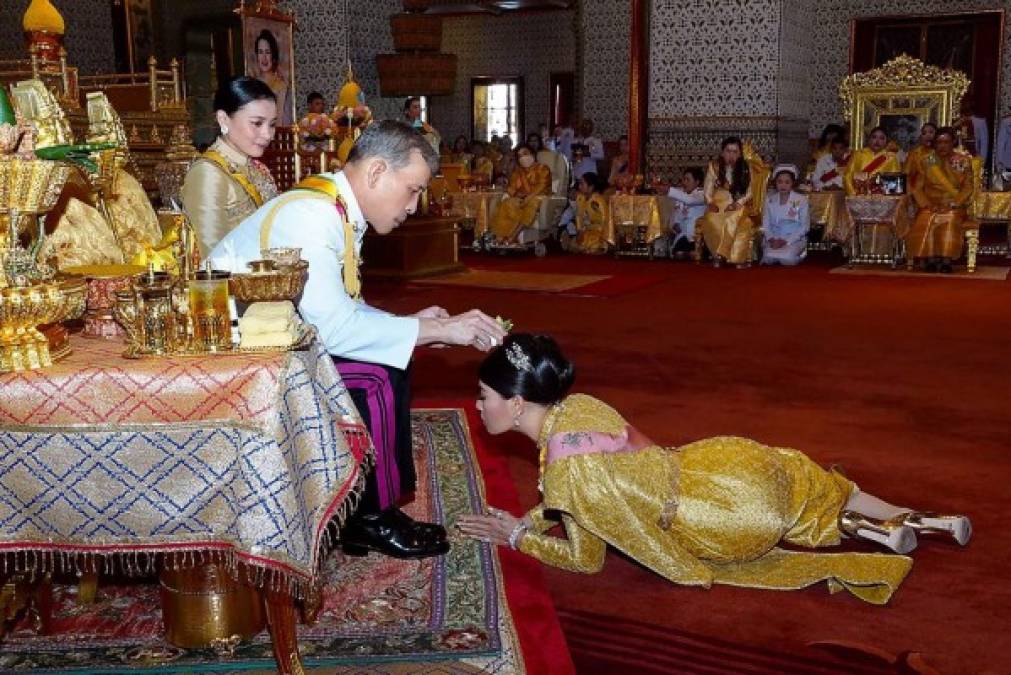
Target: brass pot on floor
204 607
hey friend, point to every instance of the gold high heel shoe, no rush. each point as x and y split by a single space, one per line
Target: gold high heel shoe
893 534
927 522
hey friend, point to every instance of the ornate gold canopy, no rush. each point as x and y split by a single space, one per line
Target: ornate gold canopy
903 90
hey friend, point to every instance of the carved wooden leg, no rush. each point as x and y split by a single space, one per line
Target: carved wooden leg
972 244
281 622
87 588
311 605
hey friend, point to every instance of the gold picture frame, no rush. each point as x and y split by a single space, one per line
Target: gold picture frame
901 96
264 22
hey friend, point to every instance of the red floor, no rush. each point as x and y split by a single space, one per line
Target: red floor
902 381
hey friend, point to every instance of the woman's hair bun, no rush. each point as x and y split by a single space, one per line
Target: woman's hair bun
530 366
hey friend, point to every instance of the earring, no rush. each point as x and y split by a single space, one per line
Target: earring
224 131
516 421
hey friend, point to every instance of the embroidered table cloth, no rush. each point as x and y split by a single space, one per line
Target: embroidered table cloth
246 458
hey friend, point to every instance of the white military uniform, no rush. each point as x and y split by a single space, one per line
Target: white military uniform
825 164
1002 152
309 220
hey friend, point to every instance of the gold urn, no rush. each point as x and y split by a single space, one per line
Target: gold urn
24 308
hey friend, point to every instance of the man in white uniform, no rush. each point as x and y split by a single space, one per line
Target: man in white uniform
326 216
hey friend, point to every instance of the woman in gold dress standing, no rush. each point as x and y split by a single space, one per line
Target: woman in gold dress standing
228 182
713 511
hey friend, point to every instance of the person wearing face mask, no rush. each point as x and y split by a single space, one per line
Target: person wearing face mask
228 182
326 216
528 181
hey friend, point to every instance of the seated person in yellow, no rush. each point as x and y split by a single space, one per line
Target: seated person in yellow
713 511
911 167
528 182
726 225
870 160
943 191
480 163
228 182
591 217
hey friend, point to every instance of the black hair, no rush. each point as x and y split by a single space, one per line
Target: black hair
531 366
540 141
524 146
840 140
698 173
741 179
268 37
829 130
394 142
593 180
314 96
947 131
929 124
409 102
459 138
239 91
881 129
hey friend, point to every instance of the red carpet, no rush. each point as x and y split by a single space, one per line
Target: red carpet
902 381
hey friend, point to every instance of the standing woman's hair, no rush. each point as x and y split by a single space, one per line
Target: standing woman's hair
741 177
530 366
239 91
275 52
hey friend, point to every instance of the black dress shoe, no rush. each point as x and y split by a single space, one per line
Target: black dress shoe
429 530
945 268
381 532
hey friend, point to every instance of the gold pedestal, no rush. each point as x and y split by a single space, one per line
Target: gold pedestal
22 309
205 607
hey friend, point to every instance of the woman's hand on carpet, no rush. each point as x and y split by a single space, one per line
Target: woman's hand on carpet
493 528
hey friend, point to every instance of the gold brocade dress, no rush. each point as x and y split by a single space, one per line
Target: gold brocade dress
515 213
727 234
911 167
709 512
943 192
591 214
218 195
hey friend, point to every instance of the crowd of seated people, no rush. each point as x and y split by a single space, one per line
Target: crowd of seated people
719 211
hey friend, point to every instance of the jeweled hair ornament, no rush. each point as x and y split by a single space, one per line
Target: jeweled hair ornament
518 358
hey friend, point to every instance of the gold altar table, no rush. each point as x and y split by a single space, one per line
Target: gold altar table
994 208
478 207
232 471
634 222
878 224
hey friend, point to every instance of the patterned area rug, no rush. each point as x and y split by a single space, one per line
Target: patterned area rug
983 272
380 615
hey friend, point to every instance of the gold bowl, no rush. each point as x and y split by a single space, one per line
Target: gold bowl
24 308
270 286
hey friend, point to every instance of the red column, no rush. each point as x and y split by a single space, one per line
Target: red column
638 86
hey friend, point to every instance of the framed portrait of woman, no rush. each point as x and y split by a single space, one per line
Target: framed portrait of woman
268 53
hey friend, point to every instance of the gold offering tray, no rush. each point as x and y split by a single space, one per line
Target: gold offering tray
304 340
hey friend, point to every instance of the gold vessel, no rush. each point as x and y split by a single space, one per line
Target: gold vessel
24 308
29 293
269 282
205 607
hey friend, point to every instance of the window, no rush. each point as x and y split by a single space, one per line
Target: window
497 108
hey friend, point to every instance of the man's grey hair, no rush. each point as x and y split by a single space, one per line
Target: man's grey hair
394 142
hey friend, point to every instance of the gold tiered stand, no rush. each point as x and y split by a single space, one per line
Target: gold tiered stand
30 294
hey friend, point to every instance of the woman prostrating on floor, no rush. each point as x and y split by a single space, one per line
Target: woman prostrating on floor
713 511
